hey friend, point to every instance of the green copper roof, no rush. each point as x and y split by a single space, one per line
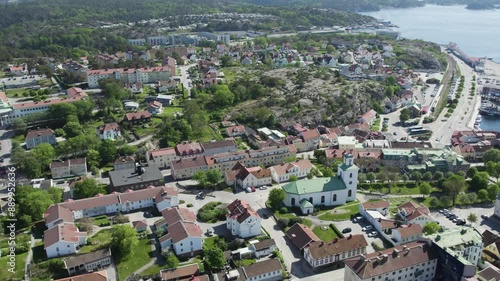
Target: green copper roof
314 185
304 203
345 167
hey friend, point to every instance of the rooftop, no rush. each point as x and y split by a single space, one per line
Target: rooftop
260 268
314 185
88 257
320 249
94 276
301 235
39 133
129 176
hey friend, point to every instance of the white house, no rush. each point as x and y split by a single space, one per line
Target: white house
63 239
311 139
283 172
109 131
263 248
324 191
320 253
185 238
248 177
161 158
155 107
68 168
243 220
381 206
412 261
412 212
407 233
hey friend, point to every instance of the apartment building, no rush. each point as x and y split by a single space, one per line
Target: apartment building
161 158
129 75
414 261
243 220
68 168
36 137
320 253
109 131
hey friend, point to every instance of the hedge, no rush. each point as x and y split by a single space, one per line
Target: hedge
336 230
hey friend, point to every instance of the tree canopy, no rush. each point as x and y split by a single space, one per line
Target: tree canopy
88 188
123 240
276 197
454 185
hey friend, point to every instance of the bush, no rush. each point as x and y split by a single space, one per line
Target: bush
121 219
283 223
283 210
336 230
212 212
189 205
293 221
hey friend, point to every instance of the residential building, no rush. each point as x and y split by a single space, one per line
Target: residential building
137 42
189 149
140 225
138 118
75 68
269 270
124 163
243 220
94 276
324 191
19 70
247 177
165 99
311 139
410 262
156 40
109 131
135 88
155 107
184 238
263 248
301 236
184 273
218 147
136 178
458 251
490 273
36 137
235 131
173 215
76 92
381 206
129 75
209 77
69 168
491 250
185 168
27 108
320 253
407 233
161 158
88 262
346 142
369 117
298 169
66 212
412 212
63 239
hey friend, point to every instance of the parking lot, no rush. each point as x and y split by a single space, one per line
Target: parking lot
482 224
357 229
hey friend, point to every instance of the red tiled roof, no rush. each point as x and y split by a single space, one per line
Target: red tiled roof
301 235
372 205
109 127
127 70
180 231
241 210
320 249
55 212
162 151
137 115
180 272
310 134
282 169
61 232
409 230
39 133
3 97
197 161
94 276
43 103
141 223
188 148
76 92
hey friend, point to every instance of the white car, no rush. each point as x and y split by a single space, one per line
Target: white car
372 234
367 228
262 188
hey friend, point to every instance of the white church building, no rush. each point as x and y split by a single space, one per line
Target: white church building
332 191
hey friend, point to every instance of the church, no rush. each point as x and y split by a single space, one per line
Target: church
333 191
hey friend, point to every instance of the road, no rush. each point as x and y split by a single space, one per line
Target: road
184 75
460 119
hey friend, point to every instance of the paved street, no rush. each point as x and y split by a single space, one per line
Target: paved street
184 75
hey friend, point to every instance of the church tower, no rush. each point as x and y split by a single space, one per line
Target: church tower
348 172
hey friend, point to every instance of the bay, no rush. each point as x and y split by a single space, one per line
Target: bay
477 32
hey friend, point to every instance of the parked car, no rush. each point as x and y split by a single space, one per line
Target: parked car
484 217
253 189
248 190
356 219
460 222
457 219
367 228
443 211
262 188
346 230
372 234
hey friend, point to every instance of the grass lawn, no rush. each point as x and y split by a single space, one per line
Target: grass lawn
325 233
138 257
12 92
342 213
99 240
101 220
152 270
376 125
305 221
396 201
44 82
210 242
244 262
170 110
19 270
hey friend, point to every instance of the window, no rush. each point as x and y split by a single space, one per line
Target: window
350 175
311 200
349 193
322 199
334 198
293 202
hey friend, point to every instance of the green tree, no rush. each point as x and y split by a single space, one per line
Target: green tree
107 151
454 186
32 202
404 115
492 190
293 178
425 188
482 195
171 260
225 61
88 188
55 194
60 111
123 240
19 125
223 97
445 201
213 176
276 197
330 49
427 176
434 201
480 180
431 227
493 169
382 177
471 172
214 258
492 155
438 176
72 129
404 178
201 178
416 176
93 158
371 177
44 153
472 218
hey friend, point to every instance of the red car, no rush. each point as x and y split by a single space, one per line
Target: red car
253 189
